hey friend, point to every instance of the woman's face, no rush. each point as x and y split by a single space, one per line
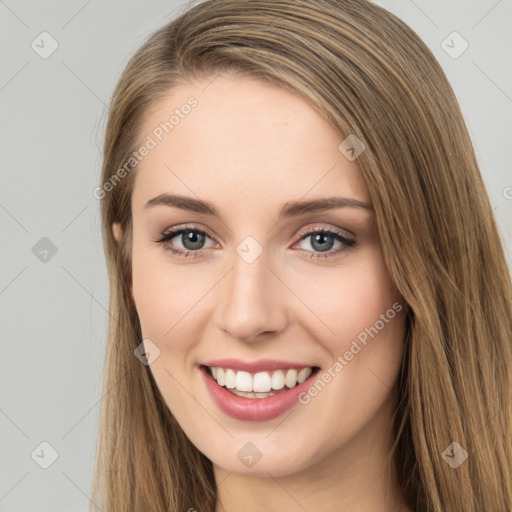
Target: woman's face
268 290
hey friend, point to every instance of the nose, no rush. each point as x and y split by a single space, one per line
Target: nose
252 301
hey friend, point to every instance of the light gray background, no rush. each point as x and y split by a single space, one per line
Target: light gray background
53 111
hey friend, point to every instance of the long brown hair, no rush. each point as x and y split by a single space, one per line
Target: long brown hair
369 75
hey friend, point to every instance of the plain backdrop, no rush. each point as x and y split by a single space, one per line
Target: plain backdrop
53 281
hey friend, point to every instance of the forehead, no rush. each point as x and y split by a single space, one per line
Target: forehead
235 134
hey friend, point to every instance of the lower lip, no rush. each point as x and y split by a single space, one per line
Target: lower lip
253 409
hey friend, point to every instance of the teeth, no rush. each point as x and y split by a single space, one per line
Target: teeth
291 378
245 384
230 378
244 381
262 382
220 377
278 379
303 375
245 394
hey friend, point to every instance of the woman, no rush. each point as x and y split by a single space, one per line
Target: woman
310 302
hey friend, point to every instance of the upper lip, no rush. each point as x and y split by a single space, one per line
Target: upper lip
260 365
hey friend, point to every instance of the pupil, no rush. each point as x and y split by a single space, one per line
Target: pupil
318 238
193 238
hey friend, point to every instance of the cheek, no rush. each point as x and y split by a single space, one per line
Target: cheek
166 296
366 321
346 300
168 303
362 328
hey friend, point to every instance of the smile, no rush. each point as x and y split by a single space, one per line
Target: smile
247 391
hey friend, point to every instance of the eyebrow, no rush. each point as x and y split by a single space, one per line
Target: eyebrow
290 209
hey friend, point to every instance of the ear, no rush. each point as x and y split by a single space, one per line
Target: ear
118 235
118 232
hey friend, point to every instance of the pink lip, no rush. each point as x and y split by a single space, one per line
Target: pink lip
256 366
253 409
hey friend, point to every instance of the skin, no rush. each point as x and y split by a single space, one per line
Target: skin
248 148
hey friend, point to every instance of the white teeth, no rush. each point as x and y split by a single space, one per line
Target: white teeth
261 382
230 378
243 381
291 378
245 394
303 375
251 385
278 379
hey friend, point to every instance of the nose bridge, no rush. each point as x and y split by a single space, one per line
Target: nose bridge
251 302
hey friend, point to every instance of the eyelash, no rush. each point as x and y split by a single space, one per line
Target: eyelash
170 234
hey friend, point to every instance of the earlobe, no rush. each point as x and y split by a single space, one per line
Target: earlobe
118 232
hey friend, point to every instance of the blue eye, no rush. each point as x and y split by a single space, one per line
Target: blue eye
193 241
323 240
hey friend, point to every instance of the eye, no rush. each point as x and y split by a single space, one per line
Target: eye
191 237
323 240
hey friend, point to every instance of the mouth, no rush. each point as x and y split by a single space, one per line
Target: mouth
256 395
